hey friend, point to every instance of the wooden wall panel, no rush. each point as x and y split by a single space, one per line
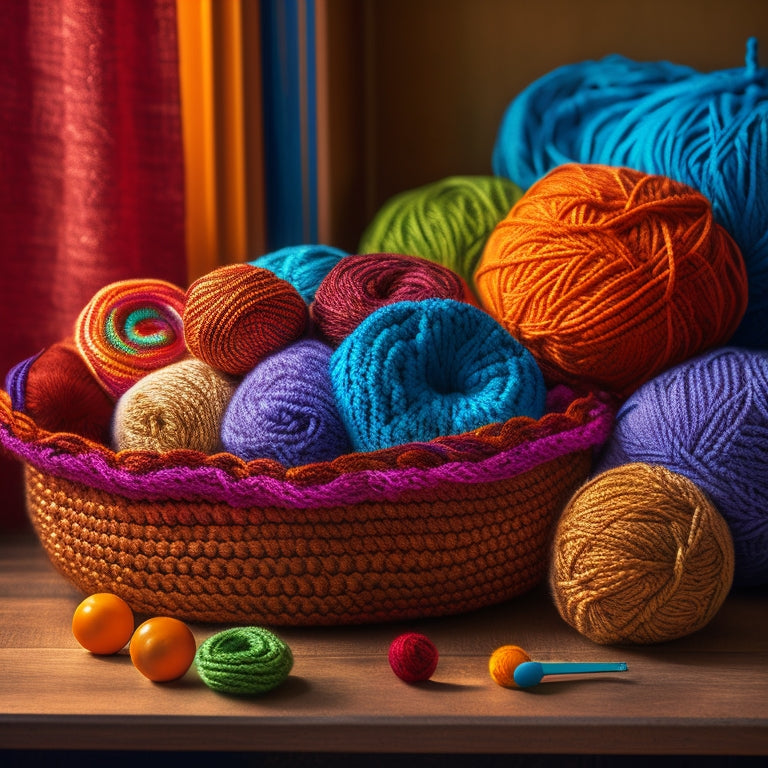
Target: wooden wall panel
417 88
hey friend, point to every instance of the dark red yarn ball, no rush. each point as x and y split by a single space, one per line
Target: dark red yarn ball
413 657
62 395
360 284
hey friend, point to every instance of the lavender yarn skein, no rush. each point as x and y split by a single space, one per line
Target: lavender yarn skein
284 409
707 419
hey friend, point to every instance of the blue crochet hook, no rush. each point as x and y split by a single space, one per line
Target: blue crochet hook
530 673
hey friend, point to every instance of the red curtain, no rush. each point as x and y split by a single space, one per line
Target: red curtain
92 184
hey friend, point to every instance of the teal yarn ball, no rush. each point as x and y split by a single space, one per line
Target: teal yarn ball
303 266
447 221
415 370
244 661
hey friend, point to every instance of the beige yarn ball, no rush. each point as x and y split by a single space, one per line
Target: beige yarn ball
179 406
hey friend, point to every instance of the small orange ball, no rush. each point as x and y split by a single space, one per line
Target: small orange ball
504 661
163 648
103 623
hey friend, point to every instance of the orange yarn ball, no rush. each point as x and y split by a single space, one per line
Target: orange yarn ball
239 314
609 276
640 555
503 662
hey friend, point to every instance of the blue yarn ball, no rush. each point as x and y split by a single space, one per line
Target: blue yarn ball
707 130
303 266
285 409
416 370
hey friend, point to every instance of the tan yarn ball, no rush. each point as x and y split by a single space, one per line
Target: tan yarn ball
640 556
179 406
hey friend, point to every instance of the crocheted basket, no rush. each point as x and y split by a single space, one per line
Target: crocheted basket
419 530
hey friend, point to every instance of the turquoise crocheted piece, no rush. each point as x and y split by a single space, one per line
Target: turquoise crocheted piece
413 371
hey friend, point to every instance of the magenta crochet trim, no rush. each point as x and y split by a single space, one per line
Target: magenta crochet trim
216 485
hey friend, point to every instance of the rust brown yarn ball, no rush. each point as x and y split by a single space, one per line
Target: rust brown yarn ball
238 314
640 556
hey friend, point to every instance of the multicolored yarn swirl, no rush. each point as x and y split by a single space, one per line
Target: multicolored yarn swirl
303 266
415 370
129 328
610 275
360 284
705 129
707 419
447 221
244 661
180 406
640 555
284 409
236 315
56 388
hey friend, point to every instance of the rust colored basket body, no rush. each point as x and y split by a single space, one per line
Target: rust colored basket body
419 530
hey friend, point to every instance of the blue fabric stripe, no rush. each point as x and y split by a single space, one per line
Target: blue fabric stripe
311 118
290 121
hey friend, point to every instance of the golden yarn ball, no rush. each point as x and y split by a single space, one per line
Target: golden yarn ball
640 556
503 663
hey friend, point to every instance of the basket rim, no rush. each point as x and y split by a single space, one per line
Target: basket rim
573 422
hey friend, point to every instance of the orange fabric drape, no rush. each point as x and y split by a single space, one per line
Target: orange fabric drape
220 67
92 186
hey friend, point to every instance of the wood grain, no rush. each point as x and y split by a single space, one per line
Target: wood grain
704 694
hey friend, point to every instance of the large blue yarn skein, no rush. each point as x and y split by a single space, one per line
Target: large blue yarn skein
705 129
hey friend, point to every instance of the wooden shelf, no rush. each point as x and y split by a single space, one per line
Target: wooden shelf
706 694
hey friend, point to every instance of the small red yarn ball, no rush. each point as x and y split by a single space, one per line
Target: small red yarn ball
237 315
413 657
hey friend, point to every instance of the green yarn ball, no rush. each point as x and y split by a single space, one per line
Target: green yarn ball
447 221
243 661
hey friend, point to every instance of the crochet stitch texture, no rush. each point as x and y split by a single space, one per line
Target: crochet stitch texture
412 371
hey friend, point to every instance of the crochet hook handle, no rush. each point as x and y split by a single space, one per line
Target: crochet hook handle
530 673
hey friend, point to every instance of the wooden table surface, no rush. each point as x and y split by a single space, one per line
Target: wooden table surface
706 694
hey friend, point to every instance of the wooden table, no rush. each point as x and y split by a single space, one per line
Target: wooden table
706 694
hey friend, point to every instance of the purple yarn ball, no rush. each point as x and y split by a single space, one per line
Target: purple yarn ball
707 419
284 409
16 382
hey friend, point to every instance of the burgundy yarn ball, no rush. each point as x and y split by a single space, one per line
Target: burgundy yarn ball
360 284
413 657
57 389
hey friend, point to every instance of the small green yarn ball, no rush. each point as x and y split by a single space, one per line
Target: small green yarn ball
244 661
447 221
